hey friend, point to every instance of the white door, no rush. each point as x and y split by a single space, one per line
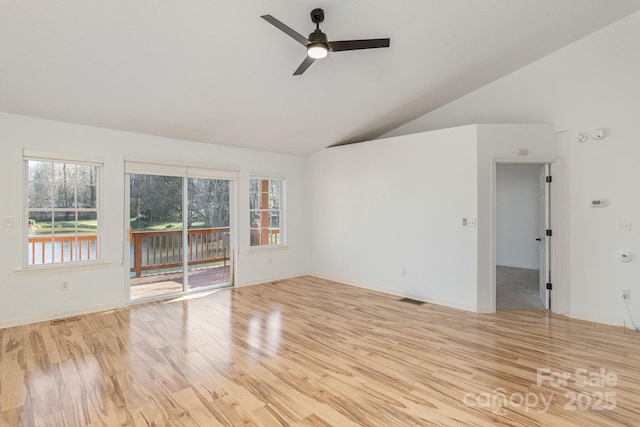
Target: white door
543 239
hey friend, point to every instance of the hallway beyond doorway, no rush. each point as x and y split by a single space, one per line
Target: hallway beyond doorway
517 288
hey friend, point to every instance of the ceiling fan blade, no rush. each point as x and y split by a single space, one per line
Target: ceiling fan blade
282 27
339 46
303 67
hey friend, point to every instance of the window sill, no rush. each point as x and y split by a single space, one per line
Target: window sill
51 269
267 248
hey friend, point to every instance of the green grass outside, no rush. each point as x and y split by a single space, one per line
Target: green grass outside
161 226
88 226
91 225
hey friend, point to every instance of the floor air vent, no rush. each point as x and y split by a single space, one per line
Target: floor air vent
64 320
411 301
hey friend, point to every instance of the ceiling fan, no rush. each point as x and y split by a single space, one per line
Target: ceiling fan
317 44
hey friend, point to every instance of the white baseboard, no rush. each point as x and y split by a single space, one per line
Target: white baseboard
59 315
272 279
443 303
594 319
95 309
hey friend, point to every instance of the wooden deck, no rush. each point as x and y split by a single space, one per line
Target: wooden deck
152 285
309 352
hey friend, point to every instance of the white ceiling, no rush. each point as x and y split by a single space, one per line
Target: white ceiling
215 72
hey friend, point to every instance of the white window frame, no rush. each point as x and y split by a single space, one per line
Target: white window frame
73 159
282 242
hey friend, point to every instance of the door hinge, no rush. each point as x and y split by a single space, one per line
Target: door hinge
549 286
548 179
549 233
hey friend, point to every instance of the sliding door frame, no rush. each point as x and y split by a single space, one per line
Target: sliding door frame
184 171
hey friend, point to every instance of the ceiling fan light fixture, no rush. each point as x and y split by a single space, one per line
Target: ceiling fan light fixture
317 44
317 50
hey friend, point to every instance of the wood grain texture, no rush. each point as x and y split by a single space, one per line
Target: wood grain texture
309 352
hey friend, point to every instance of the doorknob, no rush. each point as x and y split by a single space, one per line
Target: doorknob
538 239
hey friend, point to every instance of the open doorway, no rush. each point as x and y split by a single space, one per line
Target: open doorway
522 241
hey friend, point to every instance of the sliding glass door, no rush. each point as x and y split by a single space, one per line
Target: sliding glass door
209 233
180 236
156 228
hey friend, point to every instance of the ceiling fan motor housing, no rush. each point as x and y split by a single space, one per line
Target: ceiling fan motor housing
317 16
318 37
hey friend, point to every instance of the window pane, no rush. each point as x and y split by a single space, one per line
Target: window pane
63 196
274 219
254 185
64 173
39 195
40 223
87 222
221 203
39 171
254 218
274 201
40 240
254 201
64 222
208 203
87 175
264 219
264 200
275 187
86 196
156 202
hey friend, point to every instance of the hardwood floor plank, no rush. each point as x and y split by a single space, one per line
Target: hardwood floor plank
310 352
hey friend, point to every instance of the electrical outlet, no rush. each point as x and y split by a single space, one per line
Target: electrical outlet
624 226
64 286
403 271
626 293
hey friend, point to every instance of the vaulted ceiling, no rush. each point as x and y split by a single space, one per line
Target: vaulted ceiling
215 72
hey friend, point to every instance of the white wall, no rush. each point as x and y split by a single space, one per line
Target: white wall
26 298
382 206
379 207
518 215
590 84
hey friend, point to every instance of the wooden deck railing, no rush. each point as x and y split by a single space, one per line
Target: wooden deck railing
78 248
265 236
153 250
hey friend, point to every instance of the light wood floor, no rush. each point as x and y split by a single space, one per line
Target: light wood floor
310 352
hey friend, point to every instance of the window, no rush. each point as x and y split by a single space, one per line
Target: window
266 211
62 212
